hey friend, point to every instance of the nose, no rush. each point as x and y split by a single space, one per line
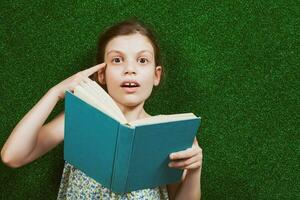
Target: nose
130 68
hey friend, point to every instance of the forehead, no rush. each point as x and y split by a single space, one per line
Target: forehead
129 43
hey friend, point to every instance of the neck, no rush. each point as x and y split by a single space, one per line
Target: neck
132 113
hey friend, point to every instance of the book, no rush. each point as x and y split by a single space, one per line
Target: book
120 155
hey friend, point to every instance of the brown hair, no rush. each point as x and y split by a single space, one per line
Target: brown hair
127 27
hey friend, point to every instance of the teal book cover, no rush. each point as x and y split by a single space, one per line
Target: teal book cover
121 157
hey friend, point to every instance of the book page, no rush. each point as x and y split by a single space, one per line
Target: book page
163 118
86 93
102 94
105 101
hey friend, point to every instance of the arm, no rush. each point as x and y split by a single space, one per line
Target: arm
190 186
31 139
29 133
191 162
172 188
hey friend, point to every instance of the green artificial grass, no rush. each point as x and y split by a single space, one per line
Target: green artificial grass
234 63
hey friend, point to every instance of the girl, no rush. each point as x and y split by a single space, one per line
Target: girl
127 52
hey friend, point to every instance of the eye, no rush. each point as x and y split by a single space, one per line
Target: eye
144 60
117 60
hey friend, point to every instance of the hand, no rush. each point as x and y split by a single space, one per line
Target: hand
74 80
190 158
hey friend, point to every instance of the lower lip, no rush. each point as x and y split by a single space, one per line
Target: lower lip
130 89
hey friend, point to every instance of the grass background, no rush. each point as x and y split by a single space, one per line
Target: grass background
234 63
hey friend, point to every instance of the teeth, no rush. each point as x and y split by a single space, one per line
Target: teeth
130 84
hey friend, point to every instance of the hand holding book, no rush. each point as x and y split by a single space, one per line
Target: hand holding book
190 158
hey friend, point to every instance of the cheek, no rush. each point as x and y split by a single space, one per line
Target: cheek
111 74
149 76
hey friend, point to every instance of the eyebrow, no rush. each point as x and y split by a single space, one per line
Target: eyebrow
121 52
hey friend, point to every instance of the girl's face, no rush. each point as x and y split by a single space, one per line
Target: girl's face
130 60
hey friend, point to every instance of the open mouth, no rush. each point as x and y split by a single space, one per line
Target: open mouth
130 84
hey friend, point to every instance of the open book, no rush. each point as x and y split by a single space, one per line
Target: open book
122 156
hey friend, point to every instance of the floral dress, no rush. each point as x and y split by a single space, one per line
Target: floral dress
75 184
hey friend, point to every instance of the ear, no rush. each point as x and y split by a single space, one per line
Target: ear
157 75
101 76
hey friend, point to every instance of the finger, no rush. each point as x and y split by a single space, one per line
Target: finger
185 163
93 69
87 80
195 141
82 83
184 154
194 165
74 86
83 79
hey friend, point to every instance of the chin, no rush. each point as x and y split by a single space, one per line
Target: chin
131 103
128 101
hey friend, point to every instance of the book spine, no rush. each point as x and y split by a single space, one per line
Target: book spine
121 165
